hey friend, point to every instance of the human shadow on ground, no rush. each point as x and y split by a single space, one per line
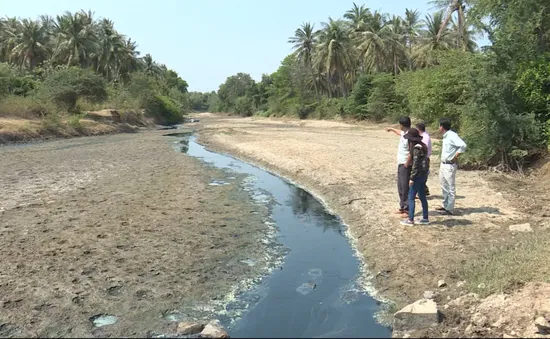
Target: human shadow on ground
440 197
474 210
451 222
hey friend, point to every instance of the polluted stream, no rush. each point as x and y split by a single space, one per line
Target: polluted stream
314 290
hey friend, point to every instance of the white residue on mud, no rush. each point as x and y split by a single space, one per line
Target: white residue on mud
234 304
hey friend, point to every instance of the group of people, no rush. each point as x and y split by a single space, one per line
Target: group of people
413 167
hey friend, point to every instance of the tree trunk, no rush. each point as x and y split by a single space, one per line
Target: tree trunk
452 8
461 28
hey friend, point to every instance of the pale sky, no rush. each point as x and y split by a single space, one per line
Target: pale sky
206 41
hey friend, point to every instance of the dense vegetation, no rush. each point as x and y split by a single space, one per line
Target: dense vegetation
369 65
73 62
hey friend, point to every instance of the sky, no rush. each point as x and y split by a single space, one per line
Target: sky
206 41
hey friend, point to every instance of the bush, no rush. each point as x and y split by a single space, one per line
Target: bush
244 106
14 82
162 109
329 108
383 101
438 91
24 107
65 86
356 104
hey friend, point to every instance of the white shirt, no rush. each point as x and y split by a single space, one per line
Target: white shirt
402 150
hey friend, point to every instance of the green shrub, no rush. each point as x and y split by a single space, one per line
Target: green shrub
244 106
329 108
383 101
65 86
24 107
356 105
162 109
13 81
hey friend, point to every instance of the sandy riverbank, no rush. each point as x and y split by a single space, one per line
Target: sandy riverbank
121 225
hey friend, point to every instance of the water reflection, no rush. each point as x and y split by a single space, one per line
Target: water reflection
309 209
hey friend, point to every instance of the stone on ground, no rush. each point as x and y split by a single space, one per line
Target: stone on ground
441 283
189 327
420 314
543 325
521 228
214 330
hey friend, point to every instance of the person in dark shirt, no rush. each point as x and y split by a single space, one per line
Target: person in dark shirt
420 167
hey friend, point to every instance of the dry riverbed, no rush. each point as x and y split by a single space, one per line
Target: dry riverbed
119 225
353 168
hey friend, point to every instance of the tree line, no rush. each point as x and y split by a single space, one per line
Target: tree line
373 66
85 62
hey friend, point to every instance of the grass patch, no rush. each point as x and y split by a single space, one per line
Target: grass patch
507 268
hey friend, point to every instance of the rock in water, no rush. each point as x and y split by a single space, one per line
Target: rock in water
521 228
214 330
420 314
189 327
543 325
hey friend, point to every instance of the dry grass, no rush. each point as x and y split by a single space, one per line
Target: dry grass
507 268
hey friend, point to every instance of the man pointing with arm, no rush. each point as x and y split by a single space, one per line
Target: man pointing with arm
451 149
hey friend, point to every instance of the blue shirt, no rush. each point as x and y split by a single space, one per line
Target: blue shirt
452 144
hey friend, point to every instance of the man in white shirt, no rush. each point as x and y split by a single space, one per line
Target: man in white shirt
403 171
451 148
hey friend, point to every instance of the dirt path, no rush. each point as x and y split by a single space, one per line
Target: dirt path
353 168
121 225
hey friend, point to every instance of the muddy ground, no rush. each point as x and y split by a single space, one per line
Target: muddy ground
119 225
353 168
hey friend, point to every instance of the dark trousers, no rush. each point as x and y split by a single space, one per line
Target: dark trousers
403 177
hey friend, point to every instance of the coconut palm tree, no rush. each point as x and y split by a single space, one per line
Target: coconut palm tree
111 50
333 54
76 39
373 44
304 41
464 39
31 44
435 37
8 33
452 6
413 25
150 67
358 17
129 61
396 40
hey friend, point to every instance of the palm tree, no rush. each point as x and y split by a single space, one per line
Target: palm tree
413 25
150 67
111 50
333 54
464 39
304 41
373 43
435 37
8 33
452 6
129 61
358 17
31 44
76 39
396 39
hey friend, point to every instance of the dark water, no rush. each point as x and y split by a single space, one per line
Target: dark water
315 293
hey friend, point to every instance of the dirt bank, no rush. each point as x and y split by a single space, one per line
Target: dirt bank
119 225
353 168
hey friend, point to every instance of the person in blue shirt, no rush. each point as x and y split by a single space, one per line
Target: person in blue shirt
451 149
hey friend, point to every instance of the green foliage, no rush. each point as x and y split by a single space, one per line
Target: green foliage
66 85
383 101
162 109
24 107
357 102
235 86
244 106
